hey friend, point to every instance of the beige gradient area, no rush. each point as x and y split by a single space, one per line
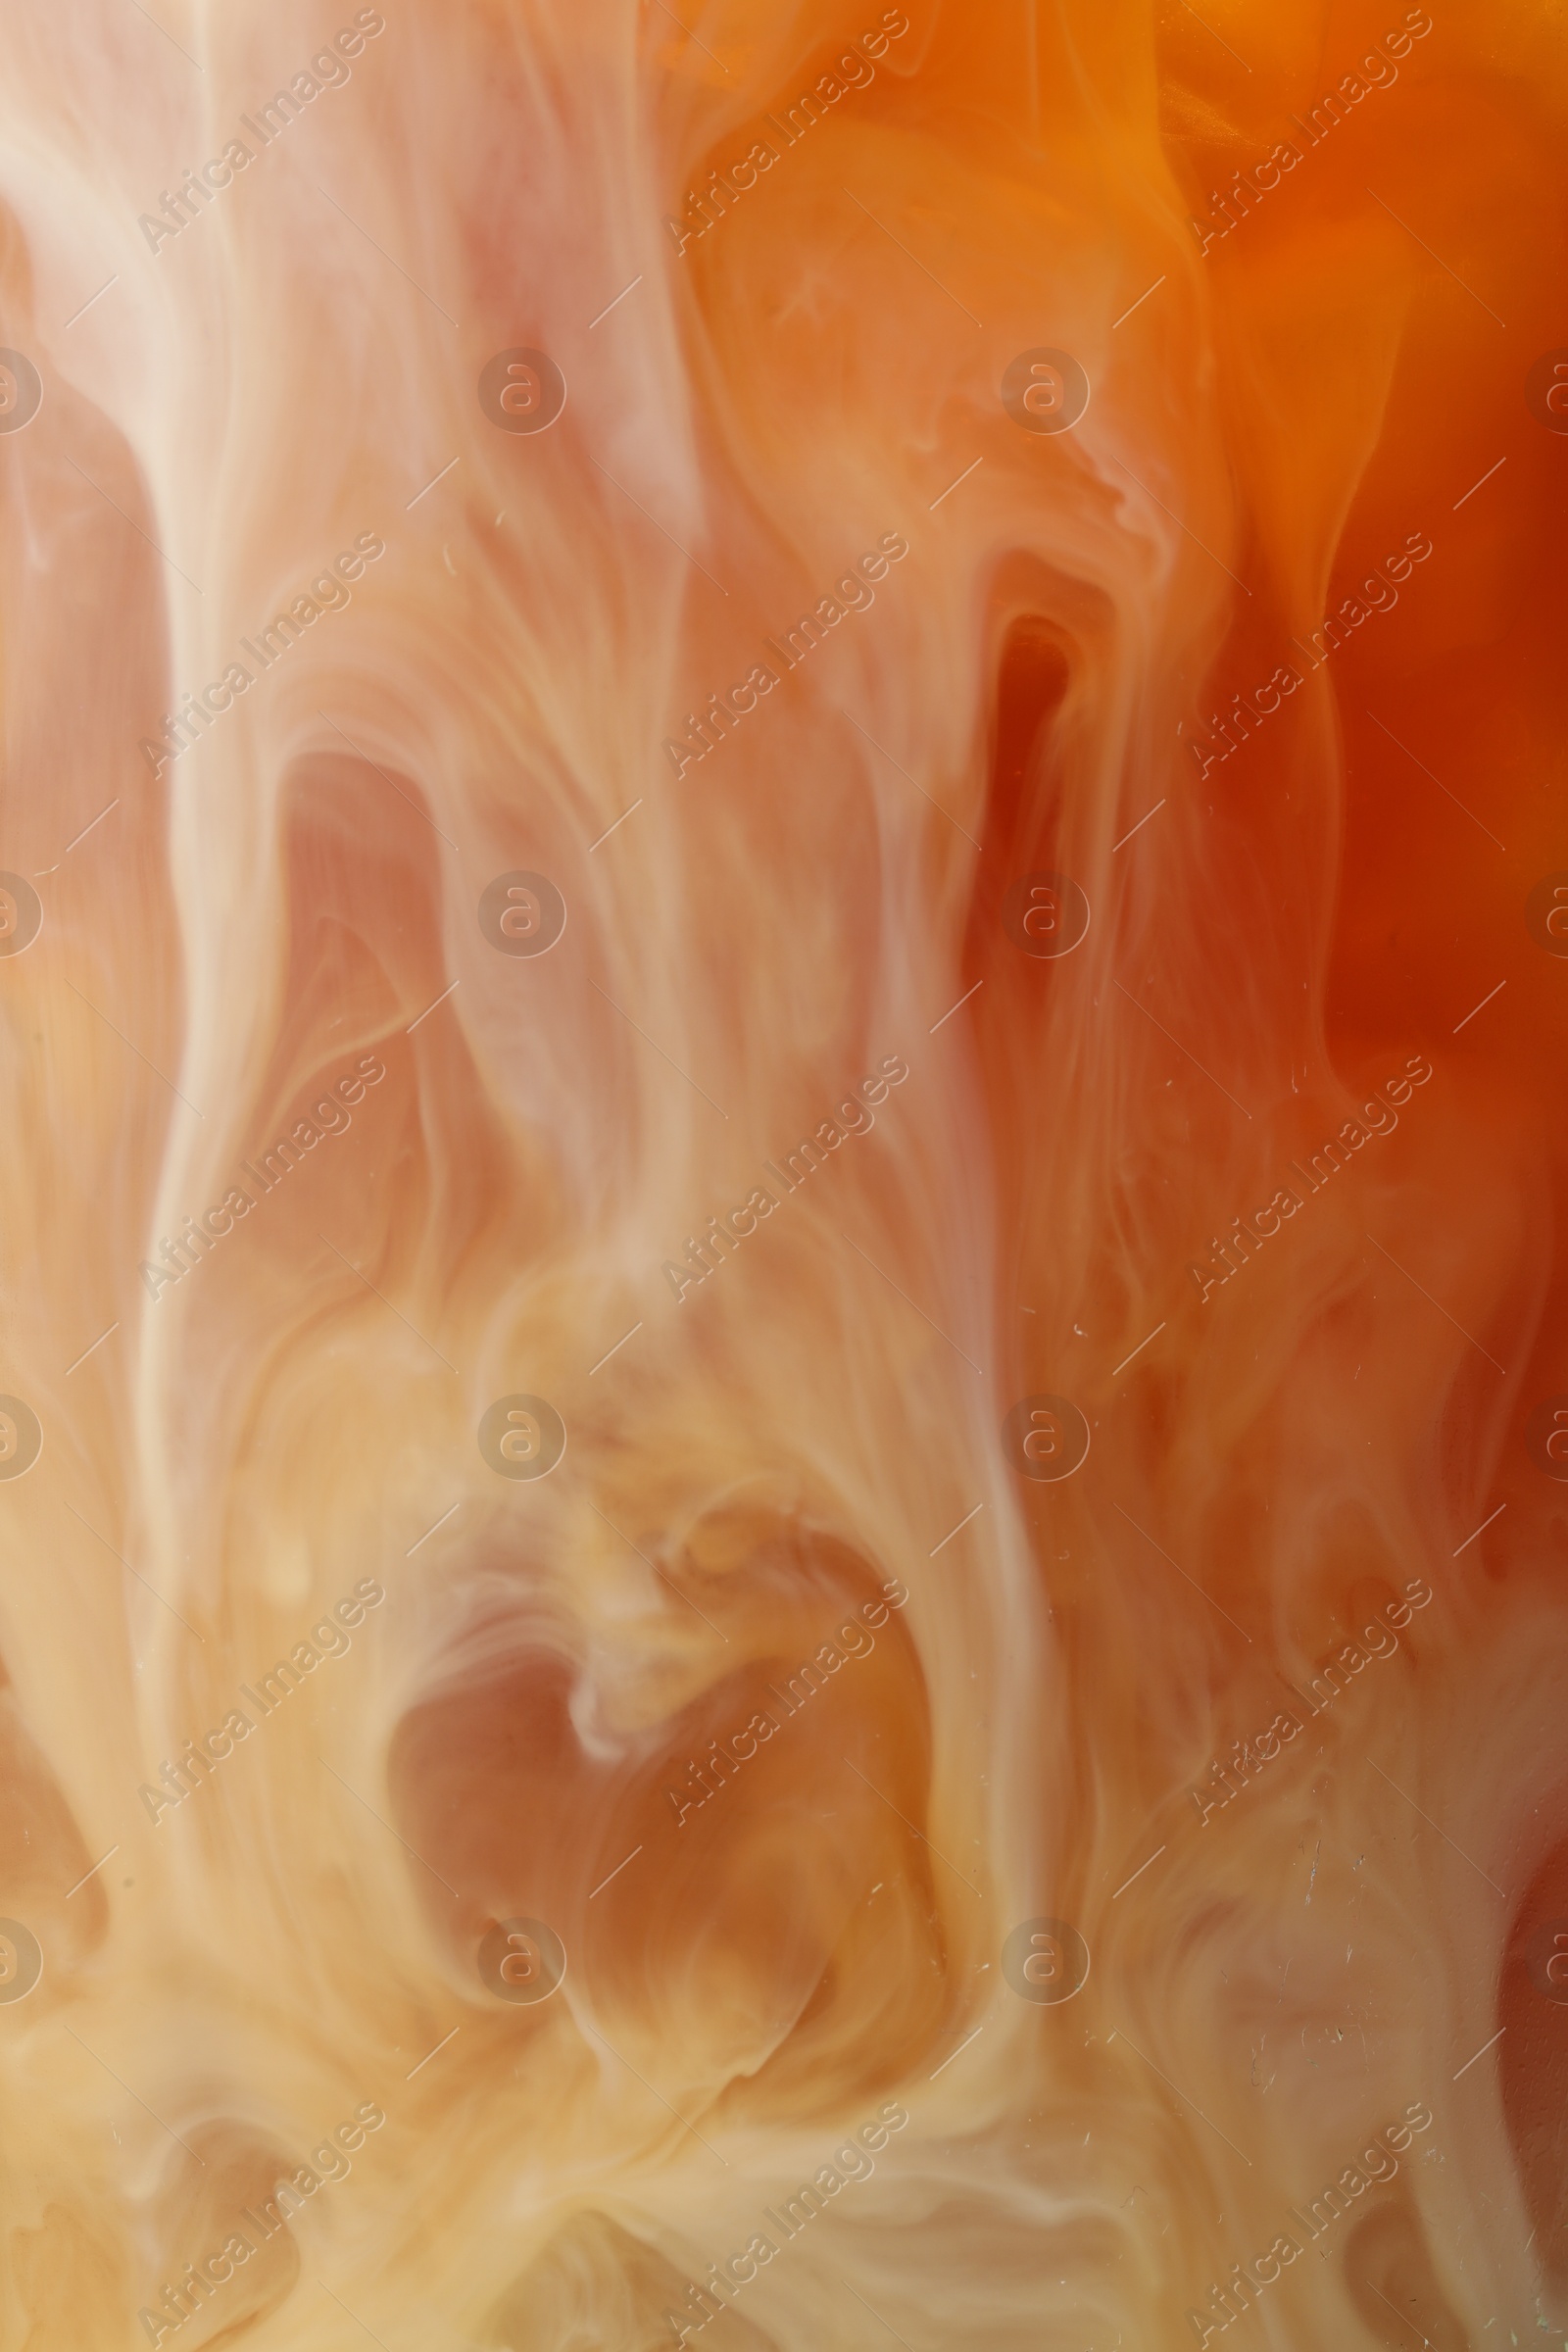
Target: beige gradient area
782 1398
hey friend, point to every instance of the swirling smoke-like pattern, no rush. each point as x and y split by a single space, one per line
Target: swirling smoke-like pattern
800 762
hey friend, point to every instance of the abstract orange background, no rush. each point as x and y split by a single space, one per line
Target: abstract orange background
783 918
